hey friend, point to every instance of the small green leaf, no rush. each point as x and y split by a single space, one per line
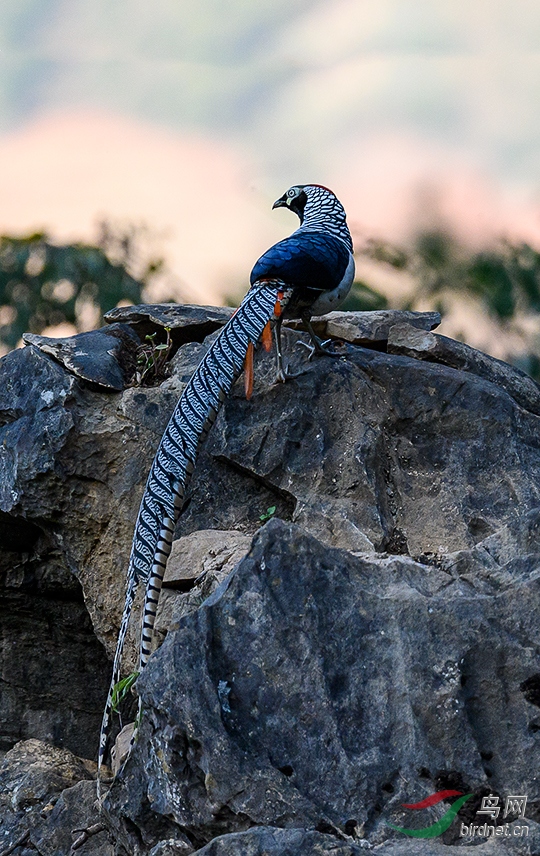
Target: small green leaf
121 689
268 513
161 347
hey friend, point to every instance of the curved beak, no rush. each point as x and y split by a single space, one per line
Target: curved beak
282 202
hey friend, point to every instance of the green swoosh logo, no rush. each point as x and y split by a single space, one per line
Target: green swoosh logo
436 828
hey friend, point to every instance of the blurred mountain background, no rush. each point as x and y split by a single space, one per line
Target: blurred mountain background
158 135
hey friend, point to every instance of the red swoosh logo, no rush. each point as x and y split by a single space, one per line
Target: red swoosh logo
433 799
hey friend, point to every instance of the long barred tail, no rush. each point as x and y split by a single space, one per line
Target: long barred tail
174 462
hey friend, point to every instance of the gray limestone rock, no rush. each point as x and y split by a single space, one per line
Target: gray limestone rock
197 565
45 794
270 841
311 690
407 454
188 323
406 339
105 357
322 690
172 847
368 328
73 822
33 772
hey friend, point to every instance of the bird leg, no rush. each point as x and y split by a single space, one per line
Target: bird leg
317 346
282 373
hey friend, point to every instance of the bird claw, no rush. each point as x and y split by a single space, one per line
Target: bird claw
318 347
283 375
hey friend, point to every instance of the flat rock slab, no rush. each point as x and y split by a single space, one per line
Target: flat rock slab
105 357
368 328
197 565
193 323
208 551
188 323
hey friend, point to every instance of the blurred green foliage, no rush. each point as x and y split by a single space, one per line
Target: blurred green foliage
44 284
504 279
363 298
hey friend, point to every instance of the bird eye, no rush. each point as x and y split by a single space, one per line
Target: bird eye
291 192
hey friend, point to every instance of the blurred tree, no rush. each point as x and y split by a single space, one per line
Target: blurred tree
43 284
504 279
363 298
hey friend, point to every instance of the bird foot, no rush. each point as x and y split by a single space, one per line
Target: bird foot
283 375
318 347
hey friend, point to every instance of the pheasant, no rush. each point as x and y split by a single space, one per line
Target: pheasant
316 261
308 273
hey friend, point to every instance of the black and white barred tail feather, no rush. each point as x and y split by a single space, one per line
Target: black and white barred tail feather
174 462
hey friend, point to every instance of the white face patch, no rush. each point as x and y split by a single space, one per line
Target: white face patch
292 194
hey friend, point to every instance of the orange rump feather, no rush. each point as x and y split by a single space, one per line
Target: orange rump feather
267 337
248 371
277 305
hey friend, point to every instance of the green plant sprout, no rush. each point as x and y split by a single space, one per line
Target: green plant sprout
121 689
152 358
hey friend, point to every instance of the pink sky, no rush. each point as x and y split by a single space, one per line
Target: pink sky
65 171
396 184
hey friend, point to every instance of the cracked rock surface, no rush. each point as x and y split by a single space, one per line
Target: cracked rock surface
374 642
319 689
373 450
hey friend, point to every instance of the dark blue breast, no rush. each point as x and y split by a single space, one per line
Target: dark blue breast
312 262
